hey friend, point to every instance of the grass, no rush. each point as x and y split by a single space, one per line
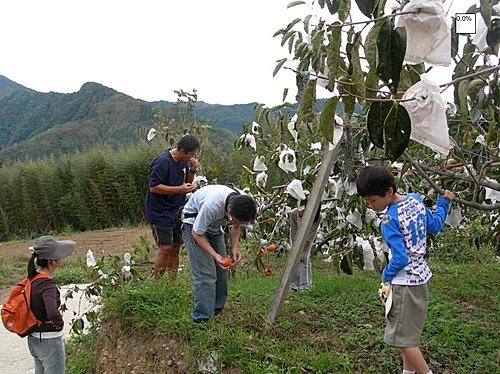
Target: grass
336 328
72 270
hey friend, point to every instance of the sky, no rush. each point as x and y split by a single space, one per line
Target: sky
148 48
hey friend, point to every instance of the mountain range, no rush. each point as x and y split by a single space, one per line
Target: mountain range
35 124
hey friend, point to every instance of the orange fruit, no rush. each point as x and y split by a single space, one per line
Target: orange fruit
226 262
271 247
267 272
262 252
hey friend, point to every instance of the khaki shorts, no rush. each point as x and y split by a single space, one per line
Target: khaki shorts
405 321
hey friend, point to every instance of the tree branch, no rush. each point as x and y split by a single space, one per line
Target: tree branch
477 73
439 190
464 177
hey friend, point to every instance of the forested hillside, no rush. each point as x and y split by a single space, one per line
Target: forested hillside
35 124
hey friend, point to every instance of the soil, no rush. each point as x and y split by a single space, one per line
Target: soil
103 242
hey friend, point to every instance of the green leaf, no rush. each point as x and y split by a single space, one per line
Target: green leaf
371 44
367 7
295 3
333 54
474 86
286 36
493 35
397 129
371 82
248 170
454 39
344 9
462 99
306 22
307 102
345 266
333 6
293 23
357 75
378 112
279 32
285 93
391 45
278 66
327 118
349 105
290 43
486 11
317 41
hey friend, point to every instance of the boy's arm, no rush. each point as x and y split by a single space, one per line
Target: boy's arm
435 221
394 239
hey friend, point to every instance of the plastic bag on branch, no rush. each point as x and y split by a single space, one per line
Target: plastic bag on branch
287 160
428 115
428 34
295 189
454 216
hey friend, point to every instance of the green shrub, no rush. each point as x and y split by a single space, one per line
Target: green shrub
471 243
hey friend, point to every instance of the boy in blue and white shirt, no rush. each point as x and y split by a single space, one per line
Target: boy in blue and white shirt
404 229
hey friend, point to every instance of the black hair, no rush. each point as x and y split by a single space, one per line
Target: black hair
243 208
31 265
374 180
188 143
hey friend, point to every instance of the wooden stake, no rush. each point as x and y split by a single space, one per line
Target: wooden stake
307 221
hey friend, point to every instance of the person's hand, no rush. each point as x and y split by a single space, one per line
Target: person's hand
193 164
187 187
383 291
236 256
220 260
448 195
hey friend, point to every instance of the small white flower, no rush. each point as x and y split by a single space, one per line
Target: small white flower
127 258
151 134
258 164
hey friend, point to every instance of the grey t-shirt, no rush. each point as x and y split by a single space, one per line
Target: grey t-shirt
209 203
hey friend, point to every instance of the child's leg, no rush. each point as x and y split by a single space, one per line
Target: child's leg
414 360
